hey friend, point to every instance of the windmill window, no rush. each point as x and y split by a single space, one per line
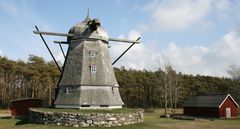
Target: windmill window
68 90
93 68
92 54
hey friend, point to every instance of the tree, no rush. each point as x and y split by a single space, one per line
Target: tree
163 88
234 71
164 76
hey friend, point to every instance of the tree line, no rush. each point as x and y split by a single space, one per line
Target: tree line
35 78
163 88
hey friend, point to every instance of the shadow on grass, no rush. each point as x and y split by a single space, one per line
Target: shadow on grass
22 121
5 117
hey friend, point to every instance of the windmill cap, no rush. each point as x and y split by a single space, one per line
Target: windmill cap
88 29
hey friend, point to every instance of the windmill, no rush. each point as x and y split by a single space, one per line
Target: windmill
87 78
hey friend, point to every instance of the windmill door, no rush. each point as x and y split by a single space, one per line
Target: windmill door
228 112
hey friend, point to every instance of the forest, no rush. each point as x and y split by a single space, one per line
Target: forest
37 78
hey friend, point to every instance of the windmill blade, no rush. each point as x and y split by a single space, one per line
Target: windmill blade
123 40
52 33
125 51
48 49
71 35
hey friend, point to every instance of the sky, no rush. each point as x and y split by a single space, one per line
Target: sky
193 36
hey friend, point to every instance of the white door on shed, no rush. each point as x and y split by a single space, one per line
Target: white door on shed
228 112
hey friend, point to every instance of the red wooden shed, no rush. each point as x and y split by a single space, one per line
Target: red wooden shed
20 107
211 105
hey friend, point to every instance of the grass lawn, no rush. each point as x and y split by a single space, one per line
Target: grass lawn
152 121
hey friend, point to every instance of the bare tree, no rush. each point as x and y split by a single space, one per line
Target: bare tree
164 67
234 71
176 97
171 83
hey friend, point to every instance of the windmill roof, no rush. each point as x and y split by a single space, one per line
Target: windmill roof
82 30
208 100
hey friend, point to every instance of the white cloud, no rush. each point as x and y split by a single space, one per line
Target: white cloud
175 14
136 57
212 60
1 53
223 8
187 59
133 35
223 5
207 60
227 48
59 56
182 14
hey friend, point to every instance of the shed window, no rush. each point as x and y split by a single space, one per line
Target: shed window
92 54
68 90
93 68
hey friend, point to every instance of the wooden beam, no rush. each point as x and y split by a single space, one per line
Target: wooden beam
52 33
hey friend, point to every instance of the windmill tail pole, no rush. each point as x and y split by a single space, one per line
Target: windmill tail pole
126 50
62 50
48 49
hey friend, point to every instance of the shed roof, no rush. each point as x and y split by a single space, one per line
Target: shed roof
208 100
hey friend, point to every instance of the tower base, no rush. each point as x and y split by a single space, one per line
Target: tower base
88 97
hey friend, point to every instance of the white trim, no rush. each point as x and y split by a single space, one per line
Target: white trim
98 107
92 54
93 68
226 99
68 90
91 107
66 106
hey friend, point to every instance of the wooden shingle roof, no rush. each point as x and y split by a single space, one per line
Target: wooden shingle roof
208 100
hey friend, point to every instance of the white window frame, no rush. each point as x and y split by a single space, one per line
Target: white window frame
68 90
93 68
92 54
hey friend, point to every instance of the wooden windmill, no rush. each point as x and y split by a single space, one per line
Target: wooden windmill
87 77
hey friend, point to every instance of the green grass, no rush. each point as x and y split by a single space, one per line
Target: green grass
151 121
123 110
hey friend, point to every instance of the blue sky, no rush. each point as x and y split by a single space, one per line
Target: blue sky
194 36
